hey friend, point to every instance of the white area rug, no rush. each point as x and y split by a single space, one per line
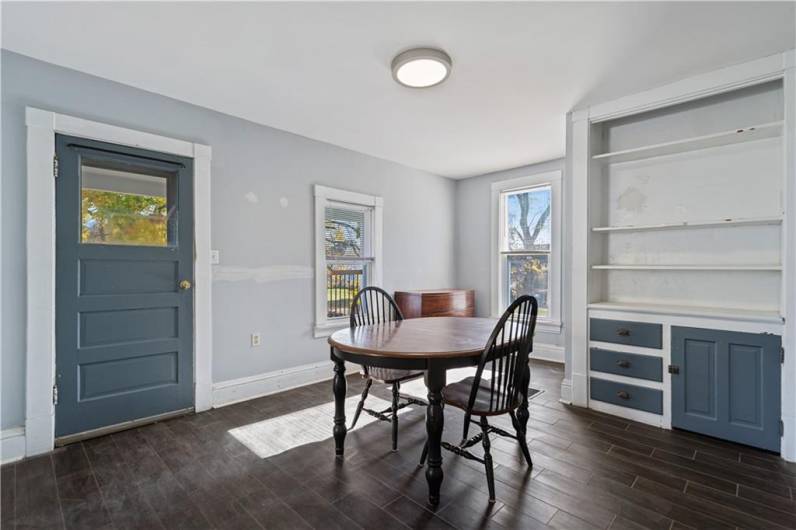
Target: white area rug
276 435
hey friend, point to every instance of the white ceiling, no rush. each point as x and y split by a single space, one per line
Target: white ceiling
322 69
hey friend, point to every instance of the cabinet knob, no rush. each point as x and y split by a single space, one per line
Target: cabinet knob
623 395
622 363
185 285
623 332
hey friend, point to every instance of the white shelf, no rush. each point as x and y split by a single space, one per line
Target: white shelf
756 221
687 267
734 136
750 315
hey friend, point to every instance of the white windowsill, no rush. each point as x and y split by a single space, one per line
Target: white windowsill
327 328
544 326
548 326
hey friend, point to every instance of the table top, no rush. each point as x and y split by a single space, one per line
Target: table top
417 338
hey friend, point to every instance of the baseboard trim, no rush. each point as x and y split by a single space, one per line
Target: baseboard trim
251 387
548 352
12 444
566 392
246 388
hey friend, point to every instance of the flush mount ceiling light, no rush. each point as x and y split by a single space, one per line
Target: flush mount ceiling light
421 67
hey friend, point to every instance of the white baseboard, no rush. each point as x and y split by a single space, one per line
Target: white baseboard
566 392
245 388
548 352
12 444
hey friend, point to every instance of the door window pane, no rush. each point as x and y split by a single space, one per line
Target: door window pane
121 207
528 274
528 219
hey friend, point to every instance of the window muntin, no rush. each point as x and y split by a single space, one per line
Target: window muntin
526 244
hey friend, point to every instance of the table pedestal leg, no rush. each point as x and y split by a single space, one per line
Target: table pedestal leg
435 381
339 389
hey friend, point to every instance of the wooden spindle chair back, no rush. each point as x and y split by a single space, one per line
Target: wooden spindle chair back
506 356
373 305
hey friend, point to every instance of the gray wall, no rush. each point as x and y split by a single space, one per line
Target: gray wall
473 252
252 236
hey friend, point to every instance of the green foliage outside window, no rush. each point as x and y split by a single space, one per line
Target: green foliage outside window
123 219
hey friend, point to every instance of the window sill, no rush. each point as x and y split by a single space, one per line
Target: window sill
327 328
552 327
549 326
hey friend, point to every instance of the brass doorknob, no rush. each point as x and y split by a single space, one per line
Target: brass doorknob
185 285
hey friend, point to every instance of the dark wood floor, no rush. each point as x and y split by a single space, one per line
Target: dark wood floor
590 471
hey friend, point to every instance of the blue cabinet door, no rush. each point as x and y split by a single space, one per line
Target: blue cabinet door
728 385
124 272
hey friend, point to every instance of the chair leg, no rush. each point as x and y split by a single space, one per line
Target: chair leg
521 439
396 387
490 472
361 403
424 455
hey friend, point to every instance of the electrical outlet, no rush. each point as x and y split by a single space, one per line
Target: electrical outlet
215 257
256 340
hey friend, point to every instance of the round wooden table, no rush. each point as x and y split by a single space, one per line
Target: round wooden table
432 344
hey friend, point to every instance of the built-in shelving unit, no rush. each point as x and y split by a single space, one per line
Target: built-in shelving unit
682 222
719 188
732 136
759 221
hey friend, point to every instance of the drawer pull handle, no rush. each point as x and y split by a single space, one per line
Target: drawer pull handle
623 332
623 363
623 395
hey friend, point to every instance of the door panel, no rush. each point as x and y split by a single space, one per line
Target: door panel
110 276
745 364
728 385
124 241
699 376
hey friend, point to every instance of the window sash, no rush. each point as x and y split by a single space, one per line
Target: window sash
503 217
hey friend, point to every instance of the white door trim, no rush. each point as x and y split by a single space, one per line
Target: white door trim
42 126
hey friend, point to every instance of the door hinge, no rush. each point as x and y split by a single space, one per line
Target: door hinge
55 394
55 166
781 428
674 369
782 355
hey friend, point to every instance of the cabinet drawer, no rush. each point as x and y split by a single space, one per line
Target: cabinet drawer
628 364
642 334
631 396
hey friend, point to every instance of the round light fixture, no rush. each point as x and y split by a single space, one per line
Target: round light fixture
421 67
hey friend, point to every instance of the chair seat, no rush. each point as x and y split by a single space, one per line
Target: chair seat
391 375
458 395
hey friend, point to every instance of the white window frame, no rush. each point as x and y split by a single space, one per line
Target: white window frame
325 196
551 323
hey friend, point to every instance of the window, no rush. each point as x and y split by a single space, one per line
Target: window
125 207
527 215
348 253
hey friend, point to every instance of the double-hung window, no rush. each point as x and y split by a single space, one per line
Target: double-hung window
526 245
348 253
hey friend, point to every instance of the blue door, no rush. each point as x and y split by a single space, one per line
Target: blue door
727 385
124 272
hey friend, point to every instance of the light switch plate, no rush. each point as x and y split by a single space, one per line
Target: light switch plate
215 257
